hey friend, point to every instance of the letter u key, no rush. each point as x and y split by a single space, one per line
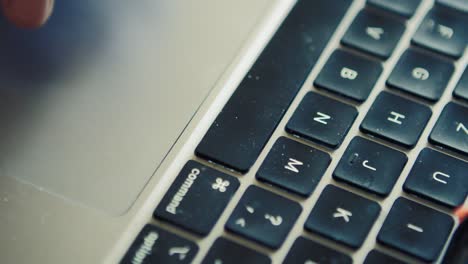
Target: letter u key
437 176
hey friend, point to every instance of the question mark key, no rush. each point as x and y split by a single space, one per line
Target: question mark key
268 219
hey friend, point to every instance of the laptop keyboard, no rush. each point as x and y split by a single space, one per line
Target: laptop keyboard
357 196
244 126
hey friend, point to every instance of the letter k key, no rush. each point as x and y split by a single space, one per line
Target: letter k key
342 213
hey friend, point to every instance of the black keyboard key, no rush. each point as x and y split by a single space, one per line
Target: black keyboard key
374 33
451 130
294 166
310 252
378 257
349 75
396 119
461 91
264 217
405 8
225 251
370 166
415 229
439 177
154 245
461 5
443 30
421 74
197 198
322 120
242 129
456 252
342 216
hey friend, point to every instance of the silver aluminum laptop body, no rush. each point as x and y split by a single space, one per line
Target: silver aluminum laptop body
106 97
107 102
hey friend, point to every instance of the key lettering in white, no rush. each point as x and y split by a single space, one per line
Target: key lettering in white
274 220
420 74
179 252
415 228
395 118
375 32
438 177
444 31
146 248
321 118
342 213
183 190
347 73
366 165
240 222
220 185
462 127
292 163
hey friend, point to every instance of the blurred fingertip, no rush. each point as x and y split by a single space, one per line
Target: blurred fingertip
27 13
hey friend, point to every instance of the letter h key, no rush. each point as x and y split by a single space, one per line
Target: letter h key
396 119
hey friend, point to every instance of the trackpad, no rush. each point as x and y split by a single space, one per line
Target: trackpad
92 102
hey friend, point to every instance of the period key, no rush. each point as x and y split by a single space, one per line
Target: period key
309 252
225 251
197 198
